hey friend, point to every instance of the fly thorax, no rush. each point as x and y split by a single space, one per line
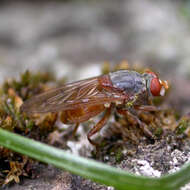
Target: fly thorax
130 82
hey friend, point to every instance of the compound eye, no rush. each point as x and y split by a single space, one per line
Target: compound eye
152 73
155 87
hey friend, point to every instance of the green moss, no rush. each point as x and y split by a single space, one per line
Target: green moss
12 94
118 155
158 132
182 126
29 84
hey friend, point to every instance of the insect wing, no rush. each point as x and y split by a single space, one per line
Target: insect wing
69 96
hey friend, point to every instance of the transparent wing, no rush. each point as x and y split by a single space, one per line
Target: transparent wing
69 96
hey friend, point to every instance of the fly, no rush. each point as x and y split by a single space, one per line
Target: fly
79 101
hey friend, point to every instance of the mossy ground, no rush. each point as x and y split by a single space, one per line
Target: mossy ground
123 143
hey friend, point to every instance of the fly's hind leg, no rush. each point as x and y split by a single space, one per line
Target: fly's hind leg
99 126
144 128
75 129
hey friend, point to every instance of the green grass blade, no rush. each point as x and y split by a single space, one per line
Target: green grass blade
91 169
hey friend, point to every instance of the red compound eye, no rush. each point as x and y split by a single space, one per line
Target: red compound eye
155 87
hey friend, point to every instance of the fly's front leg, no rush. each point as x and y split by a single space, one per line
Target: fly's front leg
147 108
99 126
146 131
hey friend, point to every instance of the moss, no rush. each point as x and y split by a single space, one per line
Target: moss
158 132
118 155
121 130
183 125
12 94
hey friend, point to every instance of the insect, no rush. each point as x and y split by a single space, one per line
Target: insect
79 101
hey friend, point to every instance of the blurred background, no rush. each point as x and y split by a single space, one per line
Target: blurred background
73 38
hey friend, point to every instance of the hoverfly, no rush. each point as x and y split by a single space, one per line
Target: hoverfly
79 101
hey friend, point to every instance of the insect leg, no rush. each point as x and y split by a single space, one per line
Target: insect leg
75 129
99 126
147 108
146 131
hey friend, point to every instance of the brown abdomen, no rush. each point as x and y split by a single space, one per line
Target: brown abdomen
81 114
